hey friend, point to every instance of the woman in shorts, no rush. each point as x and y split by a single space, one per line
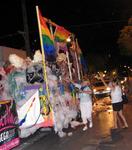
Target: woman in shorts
116 97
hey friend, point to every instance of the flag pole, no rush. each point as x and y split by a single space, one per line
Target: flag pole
69 66
76 57
43 54
81 72
78 70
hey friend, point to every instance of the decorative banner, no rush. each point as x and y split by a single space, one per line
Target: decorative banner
47 112
8 125
38 112
29 114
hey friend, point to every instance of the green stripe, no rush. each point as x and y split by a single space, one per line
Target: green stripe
47 40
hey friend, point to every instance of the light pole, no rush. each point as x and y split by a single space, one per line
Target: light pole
26 30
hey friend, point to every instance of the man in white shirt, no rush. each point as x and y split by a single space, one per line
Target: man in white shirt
85 103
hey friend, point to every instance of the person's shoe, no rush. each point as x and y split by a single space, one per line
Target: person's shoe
85 128
125 127
90 124
114 128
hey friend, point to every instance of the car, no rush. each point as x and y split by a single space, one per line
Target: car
100 89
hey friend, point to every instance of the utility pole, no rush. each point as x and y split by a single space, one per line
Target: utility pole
26 30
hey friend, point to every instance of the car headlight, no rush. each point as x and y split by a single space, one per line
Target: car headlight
108 89
94 90
122 82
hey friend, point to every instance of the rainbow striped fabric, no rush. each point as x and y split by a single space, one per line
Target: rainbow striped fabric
48 41
61 34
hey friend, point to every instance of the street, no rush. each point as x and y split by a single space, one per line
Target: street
100 137
66 75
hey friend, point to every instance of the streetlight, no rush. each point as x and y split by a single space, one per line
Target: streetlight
68 39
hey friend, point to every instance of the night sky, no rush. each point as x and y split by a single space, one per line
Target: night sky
95 23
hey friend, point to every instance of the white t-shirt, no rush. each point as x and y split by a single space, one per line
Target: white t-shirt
83 96
116 95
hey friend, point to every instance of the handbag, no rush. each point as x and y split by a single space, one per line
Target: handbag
124 99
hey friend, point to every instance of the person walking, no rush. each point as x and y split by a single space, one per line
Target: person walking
117 104
85 103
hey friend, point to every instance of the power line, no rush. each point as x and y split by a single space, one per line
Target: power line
71 26
97 23
8 35
22 33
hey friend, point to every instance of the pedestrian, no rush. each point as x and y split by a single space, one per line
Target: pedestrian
117 104
85 103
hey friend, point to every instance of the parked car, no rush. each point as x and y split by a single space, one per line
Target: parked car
100 89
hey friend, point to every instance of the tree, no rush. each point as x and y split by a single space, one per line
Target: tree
125 39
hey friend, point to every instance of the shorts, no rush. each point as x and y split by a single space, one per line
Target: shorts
117 106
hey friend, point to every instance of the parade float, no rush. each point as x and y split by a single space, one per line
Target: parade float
35 93
36 90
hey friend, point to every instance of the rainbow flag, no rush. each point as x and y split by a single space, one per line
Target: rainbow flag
61 34
48 41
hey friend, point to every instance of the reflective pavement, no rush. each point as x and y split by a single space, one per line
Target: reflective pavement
100 137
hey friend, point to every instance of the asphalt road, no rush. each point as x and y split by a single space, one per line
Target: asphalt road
100 137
